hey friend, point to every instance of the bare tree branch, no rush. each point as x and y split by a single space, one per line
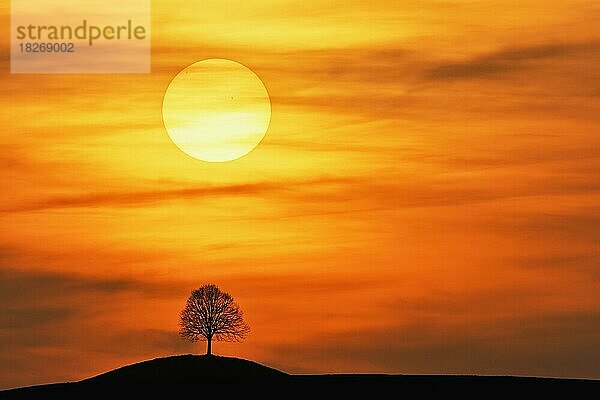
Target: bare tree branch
212 314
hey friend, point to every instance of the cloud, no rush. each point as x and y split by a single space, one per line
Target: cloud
393 80
50 318
585 262
508 60
29 298
438 192
563 345
81 354
320 78
139 198
30 286
578 226
32 318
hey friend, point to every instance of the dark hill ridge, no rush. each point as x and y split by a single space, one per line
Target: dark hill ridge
187 368
202 375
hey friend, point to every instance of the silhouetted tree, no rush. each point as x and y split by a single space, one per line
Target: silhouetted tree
212 314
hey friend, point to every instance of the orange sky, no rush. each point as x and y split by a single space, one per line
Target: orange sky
426 199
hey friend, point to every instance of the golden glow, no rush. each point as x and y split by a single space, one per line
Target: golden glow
425 201
216 110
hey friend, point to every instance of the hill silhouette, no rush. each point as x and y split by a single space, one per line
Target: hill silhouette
186 369
228 376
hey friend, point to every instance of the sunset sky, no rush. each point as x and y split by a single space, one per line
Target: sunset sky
426 198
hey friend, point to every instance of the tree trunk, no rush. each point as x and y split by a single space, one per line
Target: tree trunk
209 346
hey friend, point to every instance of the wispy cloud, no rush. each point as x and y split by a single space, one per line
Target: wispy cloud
522 346
21 287
59 307
141 198
511 59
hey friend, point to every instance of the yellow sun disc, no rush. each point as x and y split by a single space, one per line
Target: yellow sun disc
216 110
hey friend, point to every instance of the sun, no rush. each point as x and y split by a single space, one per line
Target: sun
216 110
